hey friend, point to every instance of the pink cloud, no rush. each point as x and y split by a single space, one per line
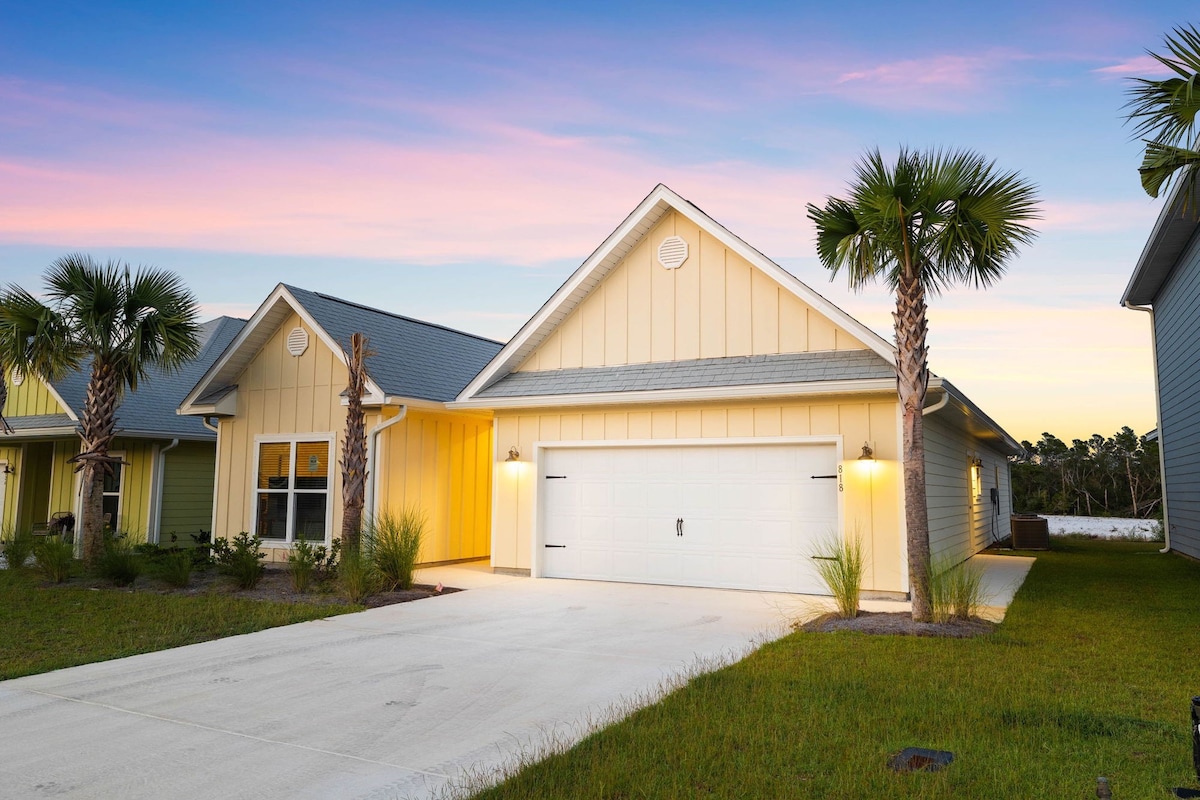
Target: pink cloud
1139 67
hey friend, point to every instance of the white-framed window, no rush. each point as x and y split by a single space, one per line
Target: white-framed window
111 504
292 481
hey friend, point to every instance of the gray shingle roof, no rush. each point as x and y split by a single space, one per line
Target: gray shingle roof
840 365
412 358
150 411
40 422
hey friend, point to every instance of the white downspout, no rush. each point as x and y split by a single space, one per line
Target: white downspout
938 406
1162 462
160 471
372 498
209 425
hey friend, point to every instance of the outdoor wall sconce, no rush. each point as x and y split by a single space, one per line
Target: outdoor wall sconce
8 470
867 454
513 455
977 477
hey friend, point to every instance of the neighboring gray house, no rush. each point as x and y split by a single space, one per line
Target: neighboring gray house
1166 283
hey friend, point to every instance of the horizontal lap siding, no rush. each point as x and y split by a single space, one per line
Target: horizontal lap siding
961 524
1177 338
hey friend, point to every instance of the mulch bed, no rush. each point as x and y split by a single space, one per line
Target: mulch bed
276 586
899 624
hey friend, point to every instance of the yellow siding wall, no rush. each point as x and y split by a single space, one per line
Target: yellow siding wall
30 399
282 394
441 464
713 306
10 485
277 393
871 500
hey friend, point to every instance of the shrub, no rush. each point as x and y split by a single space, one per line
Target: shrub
16 547
393 543
122 561
54 557
241 560
357 577
955 590
302 564
175 567
841 562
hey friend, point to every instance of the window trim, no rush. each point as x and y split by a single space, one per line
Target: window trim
293 439
119 455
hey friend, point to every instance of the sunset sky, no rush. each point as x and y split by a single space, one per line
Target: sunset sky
456 162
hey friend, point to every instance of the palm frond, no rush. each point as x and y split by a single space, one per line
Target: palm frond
1161 165
35 337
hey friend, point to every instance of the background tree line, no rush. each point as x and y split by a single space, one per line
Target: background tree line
1117 476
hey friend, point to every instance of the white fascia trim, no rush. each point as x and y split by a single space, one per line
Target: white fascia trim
70 412
653 396
41 433
279 295
663 194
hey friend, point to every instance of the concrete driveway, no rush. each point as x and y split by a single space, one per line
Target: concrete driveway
392 702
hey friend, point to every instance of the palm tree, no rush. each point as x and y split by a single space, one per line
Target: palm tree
933 220
1164 116
354 449
125 324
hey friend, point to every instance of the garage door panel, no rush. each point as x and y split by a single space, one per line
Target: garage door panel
751 514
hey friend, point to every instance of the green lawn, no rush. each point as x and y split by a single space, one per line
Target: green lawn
49 627
1091 674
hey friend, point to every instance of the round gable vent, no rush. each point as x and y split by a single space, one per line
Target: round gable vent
297 341
18 376
672 252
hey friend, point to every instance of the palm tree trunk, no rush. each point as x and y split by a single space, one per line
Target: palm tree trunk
912 379
354 449
98 427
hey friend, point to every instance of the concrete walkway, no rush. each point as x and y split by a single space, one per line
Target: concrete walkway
388 703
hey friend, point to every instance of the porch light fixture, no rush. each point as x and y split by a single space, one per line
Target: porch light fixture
8 470
867 454
514 455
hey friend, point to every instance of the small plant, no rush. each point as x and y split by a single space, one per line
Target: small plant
841 562
54 557
357 577
241 560
302 564
955 590
16 548
202 552
122 561
174 567
393 543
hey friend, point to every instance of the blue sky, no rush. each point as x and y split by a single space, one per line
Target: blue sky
456 162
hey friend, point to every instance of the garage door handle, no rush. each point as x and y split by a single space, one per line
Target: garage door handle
556 477
822 477
556 545
679 527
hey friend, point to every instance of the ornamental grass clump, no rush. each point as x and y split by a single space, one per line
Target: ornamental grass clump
392 543
120 562
955 590
16 548
357 577
841 563
54 558
174 568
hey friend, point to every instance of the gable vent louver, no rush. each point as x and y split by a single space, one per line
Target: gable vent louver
18 376
673 252
297 342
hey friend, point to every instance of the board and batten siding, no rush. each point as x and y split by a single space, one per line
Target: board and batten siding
187 492
30 399
1177 339
282 394
961 524
715 305
871 501
441 464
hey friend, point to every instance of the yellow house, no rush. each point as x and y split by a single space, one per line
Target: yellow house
162 489
685 411
276 400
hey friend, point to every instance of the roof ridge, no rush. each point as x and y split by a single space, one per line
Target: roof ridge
393 314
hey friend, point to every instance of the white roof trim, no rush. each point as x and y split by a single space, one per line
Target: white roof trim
235 360
589 274
652 396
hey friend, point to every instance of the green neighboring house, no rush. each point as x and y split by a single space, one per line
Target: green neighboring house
163 490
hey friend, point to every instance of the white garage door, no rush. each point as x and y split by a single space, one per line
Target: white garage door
729 516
